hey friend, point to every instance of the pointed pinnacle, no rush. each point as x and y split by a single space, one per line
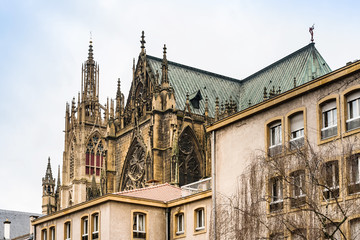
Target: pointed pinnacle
142 41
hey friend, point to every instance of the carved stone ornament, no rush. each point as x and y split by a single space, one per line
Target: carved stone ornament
134 171
189 167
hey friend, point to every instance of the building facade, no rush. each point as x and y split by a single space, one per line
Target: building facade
298 176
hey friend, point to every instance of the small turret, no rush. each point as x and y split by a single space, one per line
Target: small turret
164 74
48 185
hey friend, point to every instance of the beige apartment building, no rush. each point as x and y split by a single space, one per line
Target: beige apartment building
159 212
289 166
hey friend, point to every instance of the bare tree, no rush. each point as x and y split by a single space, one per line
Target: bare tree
299 191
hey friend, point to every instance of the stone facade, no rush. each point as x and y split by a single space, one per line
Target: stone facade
128 144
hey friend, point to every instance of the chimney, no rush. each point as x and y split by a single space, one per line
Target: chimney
32 218
7 229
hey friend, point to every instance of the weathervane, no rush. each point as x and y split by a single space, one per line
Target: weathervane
311 30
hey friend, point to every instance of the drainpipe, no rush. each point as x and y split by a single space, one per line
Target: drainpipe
167 217
7 229
213 176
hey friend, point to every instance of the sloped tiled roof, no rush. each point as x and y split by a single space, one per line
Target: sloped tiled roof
20 222
185 79
162 192
305 65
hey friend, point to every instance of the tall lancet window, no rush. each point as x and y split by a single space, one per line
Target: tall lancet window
95 156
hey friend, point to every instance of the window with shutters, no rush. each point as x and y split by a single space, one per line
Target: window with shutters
328 119
296 131
353 110
275 138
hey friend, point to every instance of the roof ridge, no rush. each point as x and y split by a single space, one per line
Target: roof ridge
197 70
279 61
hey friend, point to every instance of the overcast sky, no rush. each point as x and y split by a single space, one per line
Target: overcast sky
44 43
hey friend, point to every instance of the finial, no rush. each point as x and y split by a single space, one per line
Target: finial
265 93
142 41
294 82
164 74
118 92
311 30
249 103
133 63
164 52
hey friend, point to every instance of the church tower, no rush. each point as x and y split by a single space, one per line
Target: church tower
48 196
85 152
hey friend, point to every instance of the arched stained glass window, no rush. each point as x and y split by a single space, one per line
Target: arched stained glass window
95 155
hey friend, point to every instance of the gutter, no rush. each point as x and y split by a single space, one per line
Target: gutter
213 175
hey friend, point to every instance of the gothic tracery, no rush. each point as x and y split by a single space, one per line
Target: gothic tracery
134 169
95 155
189 166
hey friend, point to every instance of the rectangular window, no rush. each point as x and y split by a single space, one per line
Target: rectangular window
67 231
331 175
275 139
355 228
44 234
139 225
296 131
200 221
354 174
276 201
179 224
85 229
298 188
95 226
329 120
353 111
52 233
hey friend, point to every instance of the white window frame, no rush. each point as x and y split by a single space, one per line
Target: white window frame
52 233
95 221
355 171
136 218
85 225
44 234
200 219
301 175
180 224
353 98
68 230
275 140
330 108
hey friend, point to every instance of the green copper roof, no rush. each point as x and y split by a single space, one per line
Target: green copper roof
188 80
304 65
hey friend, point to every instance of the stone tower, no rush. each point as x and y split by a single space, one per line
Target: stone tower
48 196
85 150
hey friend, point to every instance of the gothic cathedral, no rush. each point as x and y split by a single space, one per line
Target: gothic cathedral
156 135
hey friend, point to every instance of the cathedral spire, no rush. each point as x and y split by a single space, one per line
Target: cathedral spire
164 75
142 42
48 174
